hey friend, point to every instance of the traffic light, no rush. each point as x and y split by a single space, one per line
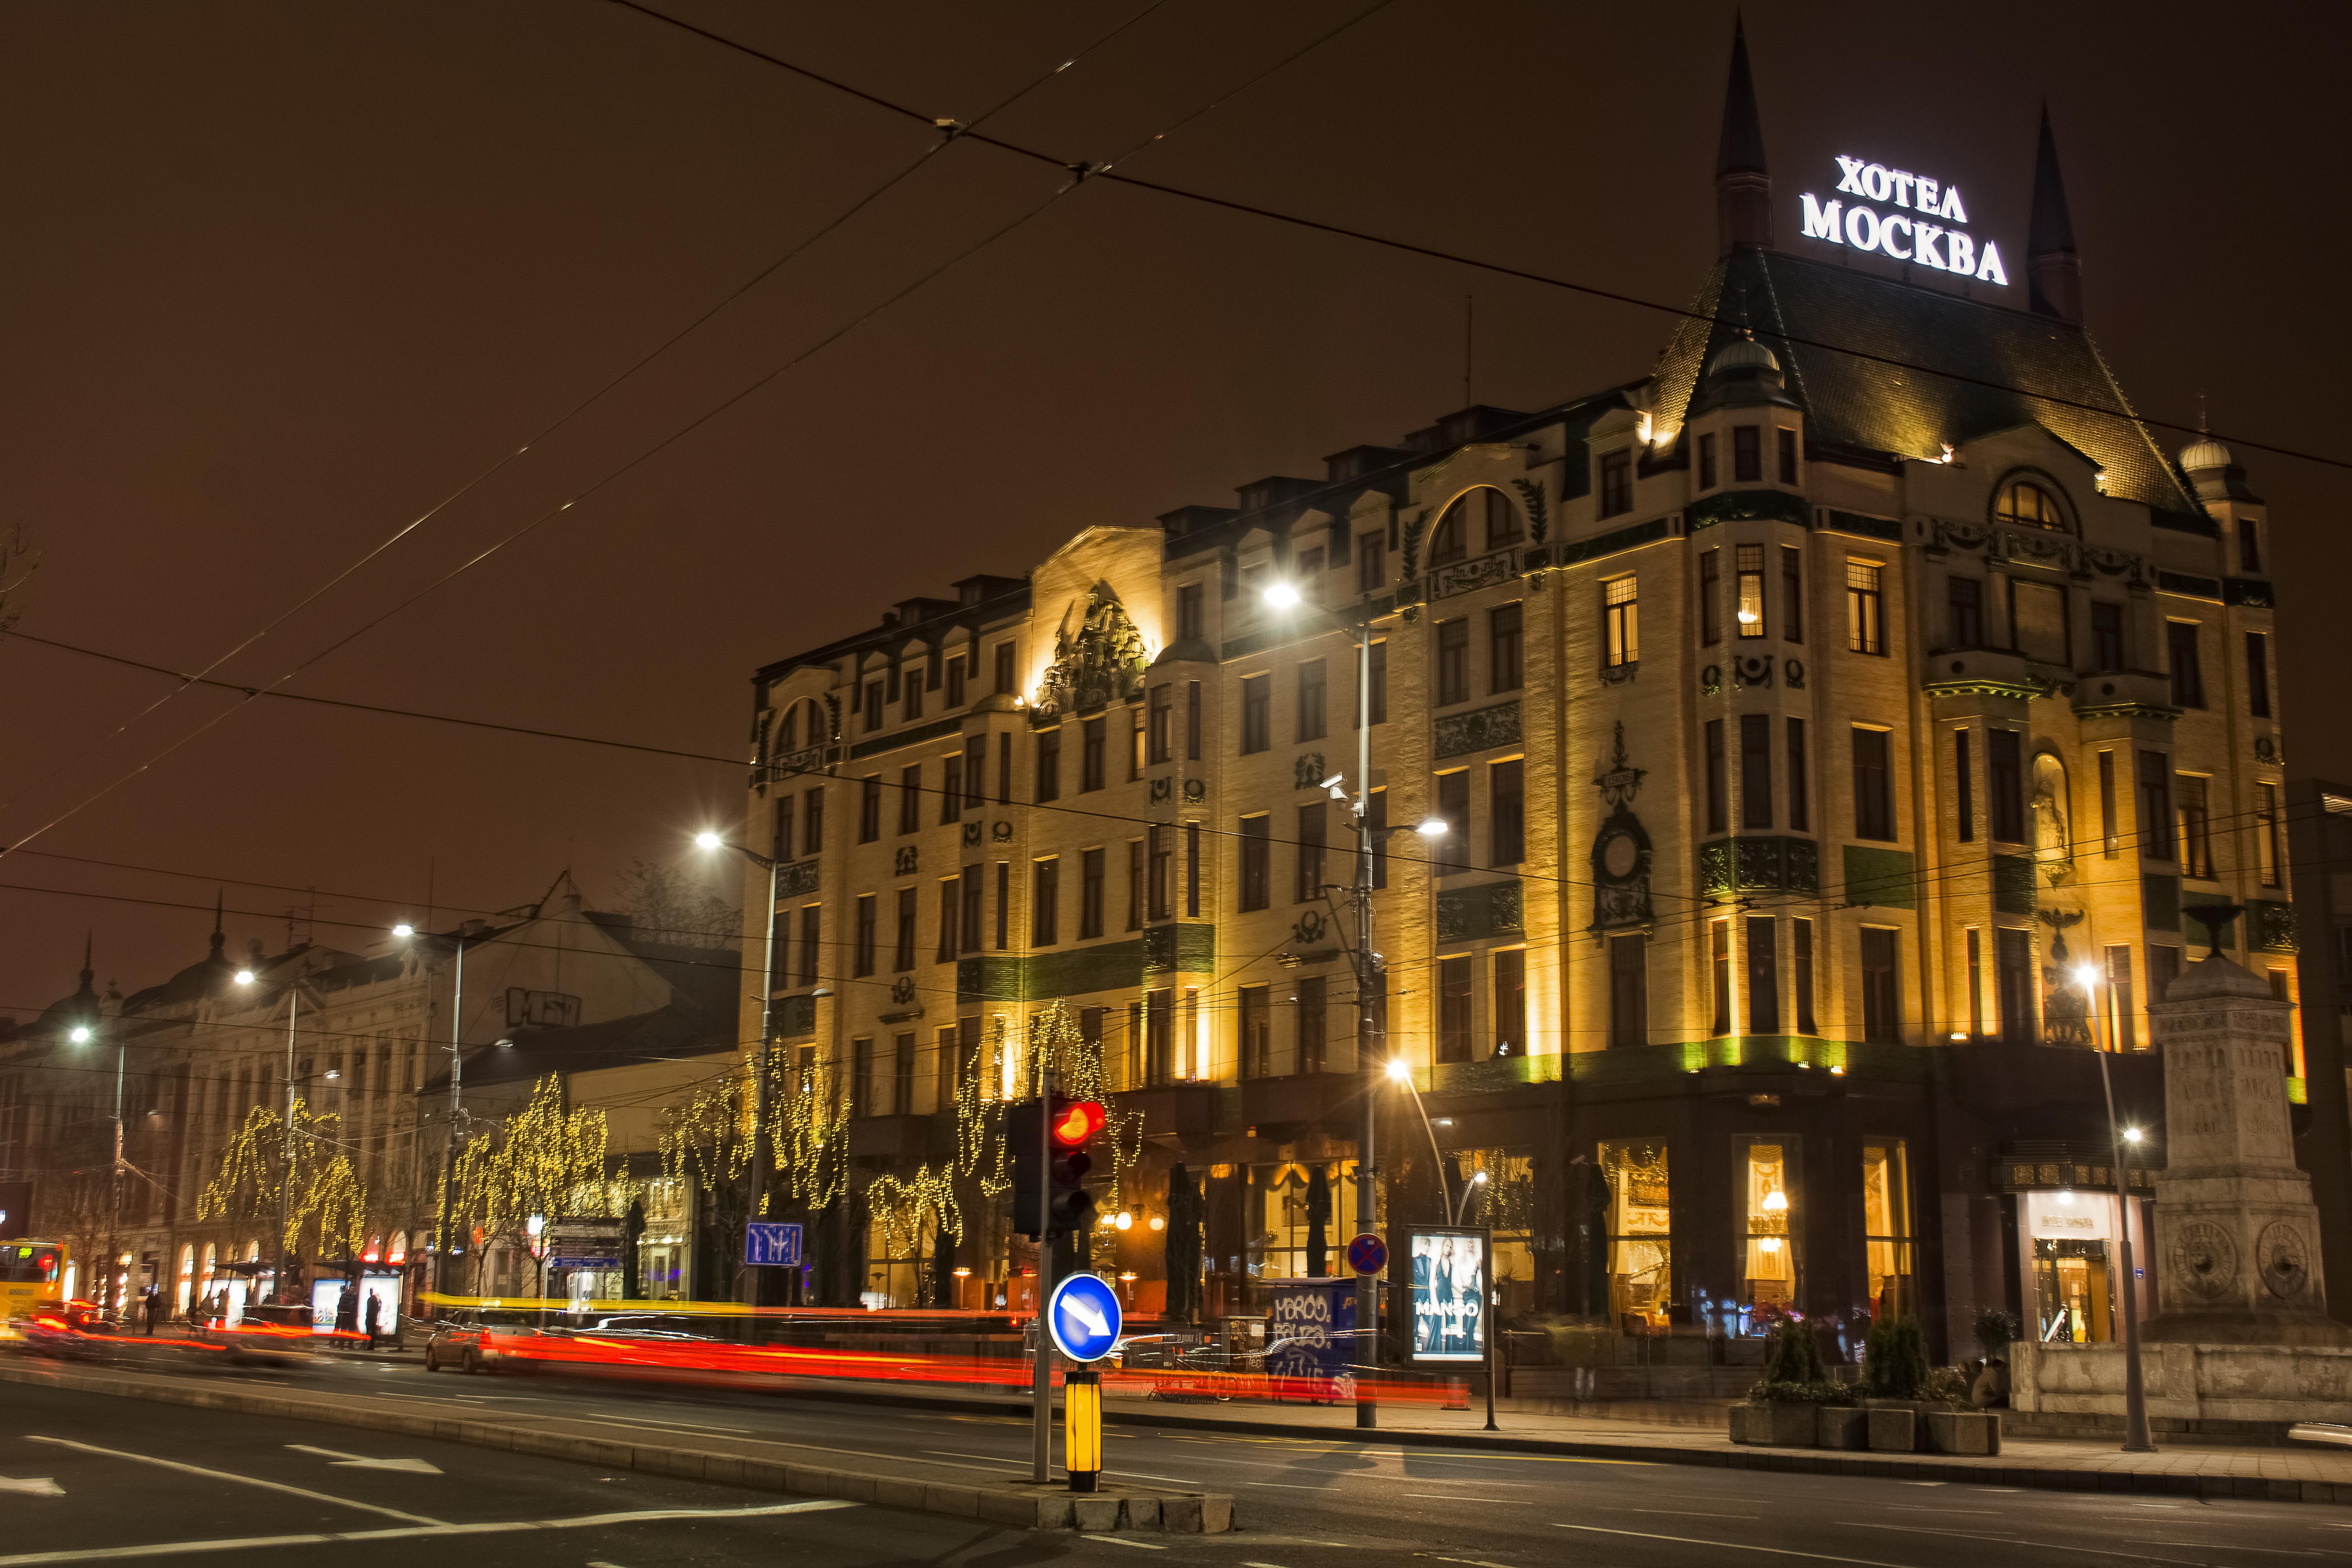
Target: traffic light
1055 1186
1027 1140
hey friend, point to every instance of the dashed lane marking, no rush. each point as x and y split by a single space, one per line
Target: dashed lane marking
1729 1545
233 1476
1123 1541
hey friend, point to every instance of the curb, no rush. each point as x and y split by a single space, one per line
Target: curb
1021 1506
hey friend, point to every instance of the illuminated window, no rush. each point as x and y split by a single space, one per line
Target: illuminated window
1620 609
1641 1233
2028 505
1865 612
1887 1229
1770 1247
1751 590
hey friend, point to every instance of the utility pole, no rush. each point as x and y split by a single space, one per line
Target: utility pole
2135 1434
752 1287
286 1179
1368 980
457 1109
114 1210
1040 1387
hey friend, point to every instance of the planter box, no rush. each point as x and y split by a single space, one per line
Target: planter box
1894 1429
1964 1431
1841 1427
1738 1419
1782 1425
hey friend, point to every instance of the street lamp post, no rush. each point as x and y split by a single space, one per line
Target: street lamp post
772 864
1400 1070
2135 1434
81 1035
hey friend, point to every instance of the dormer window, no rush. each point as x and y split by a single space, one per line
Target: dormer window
2027 505
1616 482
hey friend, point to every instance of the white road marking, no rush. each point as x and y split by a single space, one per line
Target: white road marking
1472 1562
1718 1545
2013 1539
1285 1486
1677 1512
233 1476
1146 1475
1123 1541
1930 1508
508 1527
951 1454
1449 1496
362 1462
37 1486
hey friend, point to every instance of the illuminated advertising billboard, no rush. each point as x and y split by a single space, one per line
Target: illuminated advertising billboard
1449 1295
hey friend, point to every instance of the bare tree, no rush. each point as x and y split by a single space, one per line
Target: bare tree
671 907
18 561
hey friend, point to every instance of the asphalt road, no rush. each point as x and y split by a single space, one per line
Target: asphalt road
1303 1503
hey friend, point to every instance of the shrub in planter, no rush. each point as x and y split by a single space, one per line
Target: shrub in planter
1792 1355
1996 1331
1894 1360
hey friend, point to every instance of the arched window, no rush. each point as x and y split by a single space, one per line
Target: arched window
788 732
1484 512
2028 505
399 1253
188 1276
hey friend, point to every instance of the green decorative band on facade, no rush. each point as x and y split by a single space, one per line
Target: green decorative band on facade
1746 506
1880 878
1760 864
1189 949
2016 691
2159 899
1884 527
2270 926
1571 553
1491 908
2193 587
914 737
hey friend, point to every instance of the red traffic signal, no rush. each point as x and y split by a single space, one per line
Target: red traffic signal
1077 1121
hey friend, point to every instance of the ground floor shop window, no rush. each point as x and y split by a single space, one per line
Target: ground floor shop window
1641 1239
1293 1206
2072 1290
1887 1229
1767 1178
1497 1191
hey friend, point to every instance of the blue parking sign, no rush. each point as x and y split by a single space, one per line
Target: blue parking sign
771 1244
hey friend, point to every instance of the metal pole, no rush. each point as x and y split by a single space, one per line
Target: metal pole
1041 1386
1444 1187
1368 1293
114 1213
286 1177
759 1074
1487 1320
2136 1437
457 1073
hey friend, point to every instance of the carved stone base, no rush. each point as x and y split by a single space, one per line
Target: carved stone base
2245 1329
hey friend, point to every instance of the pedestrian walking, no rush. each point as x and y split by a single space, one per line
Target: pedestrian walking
152 1304
374 1318
347 1311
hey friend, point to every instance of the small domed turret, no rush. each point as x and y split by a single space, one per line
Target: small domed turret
2205 453
1743 353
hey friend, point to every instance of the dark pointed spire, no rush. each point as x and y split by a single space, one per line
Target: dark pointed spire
220 939
88 970
1743 189
2053 267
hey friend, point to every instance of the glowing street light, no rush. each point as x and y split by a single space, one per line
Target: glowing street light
2132 1135
245 977
1432 827
705 839
403 931
1282 595
78 1034
1399 1069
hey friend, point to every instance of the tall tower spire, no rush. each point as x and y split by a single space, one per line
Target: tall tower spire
2053 267
1743 189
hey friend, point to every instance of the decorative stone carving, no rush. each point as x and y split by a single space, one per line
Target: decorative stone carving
1480 730
1751 670
1098 661
796 879
1793 672
1000 831
1308 929
904 863
1710 681
1538 509
1195 790
1483 573
1163 788
1307 772
2201 1260
1619 674
2284 1256
2054 850
1621 849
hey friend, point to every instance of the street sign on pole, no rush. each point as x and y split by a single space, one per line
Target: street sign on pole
1083 1317
770 1244
1367 1253
584 1243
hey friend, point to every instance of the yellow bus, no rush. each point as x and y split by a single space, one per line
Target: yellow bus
32 1275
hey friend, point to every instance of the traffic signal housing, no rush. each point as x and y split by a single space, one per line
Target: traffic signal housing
1049 1195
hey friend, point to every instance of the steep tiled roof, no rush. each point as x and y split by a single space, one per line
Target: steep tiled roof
1872 407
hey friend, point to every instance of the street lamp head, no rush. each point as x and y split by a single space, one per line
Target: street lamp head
245 977
78 1034
2132 1135
1476 1177
403 931
2086 976
705 839
1399 1069
1282 595
1431 827
505 1045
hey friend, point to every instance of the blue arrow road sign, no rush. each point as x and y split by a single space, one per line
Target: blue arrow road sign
1084 1315
769 1243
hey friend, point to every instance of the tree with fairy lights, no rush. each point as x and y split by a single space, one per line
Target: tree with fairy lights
712 1140
290 1162
544 1160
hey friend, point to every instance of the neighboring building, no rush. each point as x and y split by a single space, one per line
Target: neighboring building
1806 723
2320 842
204 1050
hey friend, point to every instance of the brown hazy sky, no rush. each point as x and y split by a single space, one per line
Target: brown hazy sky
275 278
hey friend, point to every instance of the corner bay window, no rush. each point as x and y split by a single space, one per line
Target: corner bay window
1641 1233
1750 611
1767 1182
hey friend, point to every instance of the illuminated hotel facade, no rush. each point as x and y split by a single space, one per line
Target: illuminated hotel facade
1829 736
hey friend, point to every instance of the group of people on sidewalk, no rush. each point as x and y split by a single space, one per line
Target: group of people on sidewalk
353 1315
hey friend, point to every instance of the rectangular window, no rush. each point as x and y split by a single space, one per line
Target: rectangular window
1191 720
1507 811
1256 1013
811 923
1510 1020
2106 636
1135 884
1376 823
1750 585
1792 593
1093 738
910 796
1505 667
914 695
1311 852
869 809
1768 1180
1453 981
1312 1022
1158 1043
1788 445
1453 661
813 821
2005 779
1379 697
1976 983
873 705
1629 990
1191 617
868 914
1964 788
2187 677
950 908
2108 830
2195 821
2250 545
1964 608
1453 807
1710 597
1718 804
1866 624
861 1077
1616 483
1882 986
781 846
902 1061
1372 564
1620 614
1161 746
1257 703
2163 969
1706 462
1191 870
1003 673
902 954
2267 848
1763 976
951 788
1049 765
2156 805
955 668
1090 893
1313 715
1719 973
1257 854
1134 744
1800 809
2039 625
1157 848
970 922
1044 904
1003 905
1640 1223
1755 770
975 765
1747 454
1800 972
1310 575
2014 985
1886 1230
2257 674
1874 801
2122 1032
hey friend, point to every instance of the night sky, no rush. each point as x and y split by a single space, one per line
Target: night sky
278 279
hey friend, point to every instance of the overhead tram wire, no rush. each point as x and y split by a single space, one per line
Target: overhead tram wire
1456 259
1079 173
